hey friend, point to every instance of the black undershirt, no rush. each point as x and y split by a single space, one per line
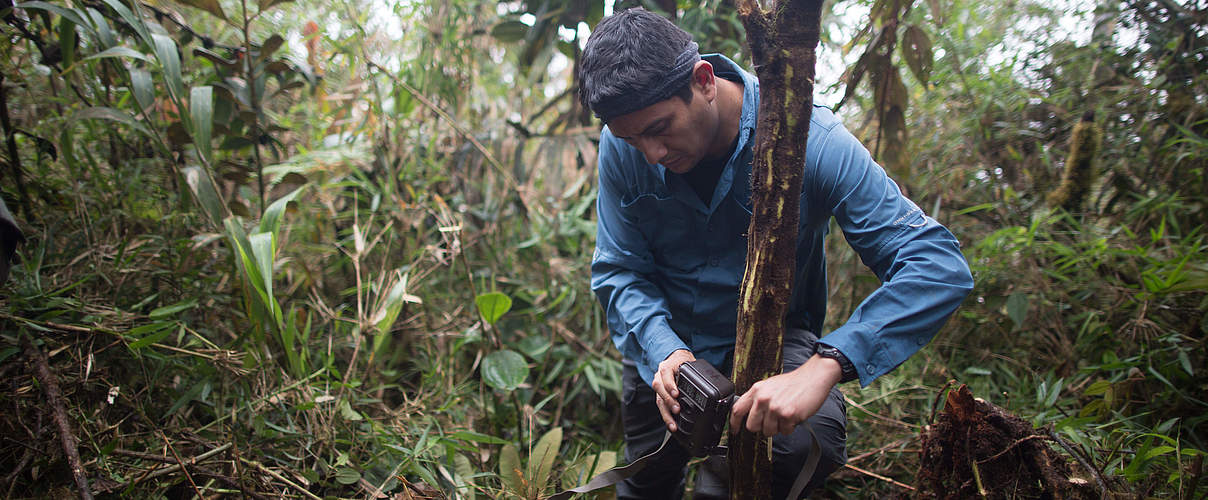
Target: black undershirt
703 177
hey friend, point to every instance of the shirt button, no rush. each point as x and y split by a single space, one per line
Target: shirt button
870 368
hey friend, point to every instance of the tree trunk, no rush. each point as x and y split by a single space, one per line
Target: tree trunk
782 40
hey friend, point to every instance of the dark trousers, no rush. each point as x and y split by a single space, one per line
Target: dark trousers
663 479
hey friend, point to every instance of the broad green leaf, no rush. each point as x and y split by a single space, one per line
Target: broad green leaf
119 51
165 311
203 189
917 52
211 6
510 31
144 89
264 251
464 474
169 60
510 472
268 4
541 463
347 475
270 46
493 305
1017 308
504 370
68 40
106 113
201 109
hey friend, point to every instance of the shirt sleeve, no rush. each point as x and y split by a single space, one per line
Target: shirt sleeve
924 276
636 309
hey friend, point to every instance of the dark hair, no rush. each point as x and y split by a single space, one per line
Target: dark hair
628 52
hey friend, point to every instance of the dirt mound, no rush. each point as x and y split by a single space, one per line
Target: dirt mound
978 450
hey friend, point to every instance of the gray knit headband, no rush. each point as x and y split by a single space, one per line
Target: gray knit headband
665 85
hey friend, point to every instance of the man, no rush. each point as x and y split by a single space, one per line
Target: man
673 209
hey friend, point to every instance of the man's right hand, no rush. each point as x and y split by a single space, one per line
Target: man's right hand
665 392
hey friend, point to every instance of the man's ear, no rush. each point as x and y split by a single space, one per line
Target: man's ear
703 80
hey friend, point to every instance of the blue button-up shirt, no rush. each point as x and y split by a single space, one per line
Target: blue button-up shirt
667 267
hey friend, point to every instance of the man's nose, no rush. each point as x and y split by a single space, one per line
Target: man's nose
653 150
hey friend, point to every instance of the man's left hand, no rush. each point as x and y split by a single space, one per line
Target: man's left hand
776 405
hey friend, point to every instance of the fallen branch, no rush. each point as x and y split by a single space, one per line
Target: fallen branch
50 387
1077 456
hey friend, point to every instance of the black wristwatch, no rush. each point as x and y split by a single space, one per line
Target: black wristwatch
849 371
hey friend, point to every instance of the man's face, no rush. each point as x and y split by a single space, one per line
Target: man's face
671 132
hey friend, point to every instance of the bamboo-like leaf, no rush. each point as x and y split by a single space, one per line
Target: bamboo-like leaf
106 113
271 221
201 109
541 463
917 52
135 22
100 29
68 40
169 60
264 251
119 51
72 15
205 192
211 6
144 89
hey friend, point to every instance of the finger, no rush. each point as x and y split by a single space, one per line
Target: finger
667 418
771 423
669 382
739 410
755 418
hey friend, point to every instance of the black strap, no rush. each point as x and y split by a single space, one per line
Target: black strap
617 474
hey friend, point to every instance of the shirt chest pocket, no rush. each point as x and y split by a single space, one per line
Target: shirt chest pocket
672 231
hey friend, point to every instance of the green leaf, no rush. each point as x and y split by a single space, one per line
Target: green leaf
270 46
510 31
348 413
163 312
201 109
119 51
106 113
510 472
1185 362
543 457
1157 451
152 338
493 306
464 473
211 6
135 22
265 253
72 15
1017 308
169 60
268 4
271 221
476 437
504 370
917 52
144 89
392 305
206 194
347 475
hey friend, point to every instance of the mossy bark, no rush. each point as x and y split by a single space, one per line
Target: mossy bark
1080 171
782 41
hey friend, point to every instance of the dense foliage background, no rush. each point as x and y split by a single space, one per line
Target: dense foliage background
336 248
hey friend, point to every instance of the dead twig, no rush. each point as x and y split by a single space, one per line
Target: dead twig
1078 456
177 465
878 476
305 492
1011 447
867 454
54 396
182 464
